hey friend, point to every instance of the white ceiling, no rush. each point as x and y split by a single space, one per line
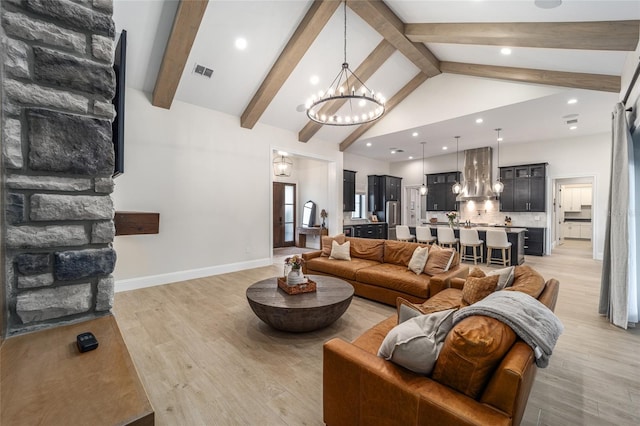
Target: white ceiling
268 24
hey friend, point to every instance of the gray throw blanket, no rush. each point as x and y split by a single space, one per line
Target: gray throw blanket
531 320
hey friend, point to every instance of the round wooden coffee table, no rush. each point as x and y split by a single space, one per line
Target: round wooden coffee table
300 312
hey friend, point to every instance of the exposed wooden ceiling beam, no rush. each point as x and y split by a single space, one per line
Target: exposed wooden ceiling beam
367 68
311 25
603 35
185 27
391 104
601 82
378 15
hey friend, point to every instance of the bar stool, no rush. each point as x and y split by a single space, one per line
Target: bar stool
446 237
497 239
469 239
403 234
423 235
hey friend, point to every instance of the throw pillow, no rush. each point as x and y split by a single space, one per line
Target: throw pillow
506 277
439 260
407 310
471 352
476 289
340 251
477 273
416 343
527 280
418 260
326 243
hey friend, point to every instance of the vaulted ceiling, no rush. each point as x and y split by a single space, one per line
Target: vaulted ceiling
575 50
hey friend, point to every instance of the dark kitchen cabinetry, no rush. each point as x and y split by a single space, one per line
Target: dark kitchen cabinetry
524 188
383 188
534 241
440 197
349 191
370 230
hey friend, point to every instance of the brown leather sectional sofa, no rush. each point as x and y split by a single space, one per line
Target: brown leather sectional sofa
483 375
378 270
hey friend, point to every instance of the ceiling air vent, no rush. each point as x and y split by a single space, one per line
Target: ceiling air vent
203 71
574 121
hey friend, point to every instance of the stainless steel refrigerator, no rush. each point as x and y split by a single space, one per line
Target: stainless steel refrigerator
392 216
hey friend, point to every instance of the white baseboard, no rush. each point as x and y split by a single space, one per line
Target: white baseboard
172 277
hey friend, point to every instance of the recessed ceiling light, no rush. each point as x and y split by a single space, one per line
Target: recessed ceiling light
547 4
368 143
414 134
572 101
505 51
500 139
573 127
444 148
314 79
411 157
479 120
393 150
241 43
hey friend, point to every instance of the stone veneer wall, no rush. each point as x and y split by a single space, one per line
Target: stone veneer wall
58 157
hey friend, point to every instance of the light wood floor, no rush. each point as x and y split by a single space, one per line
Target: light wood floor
205 359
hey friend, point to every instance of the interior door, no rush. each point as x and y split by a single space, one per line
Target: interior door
284 214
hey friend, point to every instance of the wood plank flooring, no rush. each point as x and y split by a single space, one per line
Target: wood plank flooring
206 359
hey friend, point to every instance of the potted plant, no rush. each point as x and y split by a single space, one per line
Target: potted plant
452 216
295 263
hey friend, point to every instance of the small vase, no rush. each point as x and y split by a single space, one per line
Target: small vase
450 223
295 277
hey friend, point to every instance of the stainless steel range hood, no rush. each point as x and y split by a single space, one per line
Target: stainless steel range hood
476 175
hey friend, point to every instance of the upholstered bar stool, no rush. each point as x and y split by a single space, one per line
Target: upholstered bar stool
469 239
403 234
497 239
423 235
446 237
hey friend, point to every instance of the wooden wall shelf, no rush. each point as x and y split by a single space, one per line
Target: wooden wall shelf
137 223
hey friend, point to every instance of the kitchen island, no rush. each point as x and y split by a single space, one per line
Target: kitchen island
516 237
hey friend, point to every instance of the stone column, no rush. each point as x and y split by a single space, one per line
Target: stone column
58 156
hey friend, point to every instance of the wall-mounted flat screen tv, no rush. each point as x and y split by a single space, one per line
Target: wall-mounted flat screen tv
120 67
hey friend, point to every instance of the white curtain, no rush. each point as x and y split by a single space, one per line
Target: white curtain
619 288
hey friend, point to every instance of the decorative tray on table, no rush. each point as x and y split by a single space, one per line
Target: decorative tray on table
308 287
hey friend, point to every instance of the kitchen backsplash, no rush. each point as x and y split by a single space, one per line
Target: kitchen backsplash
479 212
585 213
489 212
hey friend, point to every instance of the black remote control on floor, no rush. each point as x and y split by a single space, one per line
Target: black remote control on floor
86 342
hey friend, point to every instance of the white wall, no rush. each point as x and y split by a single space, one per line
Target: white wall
211 182
365 167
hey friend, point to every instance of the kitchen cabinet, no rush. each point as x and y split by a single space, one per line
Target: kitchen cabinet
526 191
577 230
585 196
370 230
585 231
534 241
506 197
439 194
349 191
571 199
383 188
574 198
